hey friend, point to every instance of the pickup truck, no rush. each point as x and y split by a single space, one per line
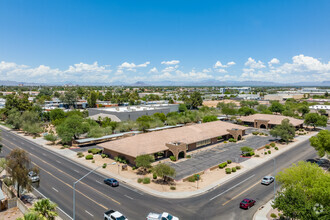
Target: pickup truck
114 215
163 216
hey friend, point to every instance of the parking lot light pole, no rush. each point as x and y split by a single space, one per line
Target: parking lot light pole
74 191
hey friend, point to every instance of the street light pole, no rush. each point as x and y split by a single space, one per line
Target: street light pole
274 178
74 191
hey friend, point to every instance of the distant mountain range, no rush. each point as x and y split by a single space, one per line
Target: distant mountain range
173 83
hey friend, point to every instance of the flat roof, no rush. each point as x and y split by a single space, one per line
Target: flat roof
86 140
272 119
102 115
153 142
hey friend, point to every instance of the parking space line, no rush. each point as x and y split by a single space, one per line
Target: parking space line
54 189
89 213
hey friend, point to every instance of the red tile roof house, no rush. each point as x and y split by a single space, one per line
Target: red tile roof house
175 141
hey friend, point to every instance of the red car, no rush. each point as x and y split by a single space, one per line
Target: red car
247 203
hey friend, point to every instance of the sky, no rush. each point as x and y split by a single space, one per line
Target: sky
104 41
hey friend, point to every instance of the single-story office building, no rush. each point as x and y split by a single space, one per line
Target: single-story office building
269 121
172 142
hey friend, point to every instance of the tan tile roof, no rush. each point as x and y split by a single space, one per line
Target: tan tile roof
154 142
273 119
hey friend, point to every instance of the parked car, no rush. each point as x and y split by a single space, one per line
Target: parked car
34 177
247 203
324 163
114 215
163 216
111 182
267 180
312 160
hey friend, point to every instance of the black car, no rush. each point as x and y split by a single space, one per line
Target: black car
311 161
111 182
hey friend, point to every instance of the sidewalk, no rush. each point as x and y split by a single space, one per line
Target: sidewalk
262 212
247 165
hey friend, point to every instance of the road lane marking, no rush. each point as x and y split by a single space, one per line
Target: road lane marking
128 197
70 185
232 187
89 213
54 189
76 171
58 161
240 193
98 182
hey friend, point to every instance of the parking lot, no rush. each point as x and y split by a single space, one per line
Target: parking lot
205 159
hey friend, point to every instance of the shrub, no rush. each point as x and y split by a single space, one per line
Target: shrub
154 176
121 159
272 144
266 134
89 157
276 148
140 180
255 133
134 168
93 161
225 142
8 181
273 215
94 151
257 155
269 152
267 146
238 167
188 156
233 169
228 170
104 166
232 140
222 165
229 161
80 154
173 188
104 156
265 153
146 180
191 179
173 158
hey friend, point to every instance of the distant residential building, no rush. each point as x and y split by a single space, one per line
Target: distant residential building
239 89
283 96
143 94
248 96
315 91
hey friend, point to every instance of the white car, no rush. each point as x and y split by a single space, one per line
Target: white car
163 216
114 215
33 177
267 180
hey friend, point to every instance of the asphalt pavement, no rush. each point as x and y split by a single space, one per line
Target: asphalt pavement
58 173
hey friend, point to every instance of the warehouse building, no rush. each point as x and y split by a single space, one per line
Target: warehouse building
172 142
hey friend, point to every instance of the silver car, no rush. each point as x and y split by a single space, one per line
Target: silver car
267 180
33 177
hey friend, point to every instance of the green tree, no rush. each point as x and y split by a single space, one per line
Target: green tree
160 116
321 142
14 118
163 170
51 137
276 107
108 96
246 111
304 187
229 109
286 131
56 115
209 118
31 216
72 128
246 149
196 100
44 208
92 98
18 166
304 109
70 98
182 108
315 119
144 161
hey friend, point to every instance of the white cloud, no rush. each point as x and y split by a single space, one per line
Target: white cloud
84 67
132 66
172 62
221 70
153 70
219 64
273 61
170 69
254 64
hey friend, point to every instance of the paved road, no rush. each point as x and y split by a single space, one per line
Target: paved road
93 197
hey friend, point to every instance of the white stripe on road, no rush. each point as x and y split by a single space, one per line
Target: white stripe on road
128 197
76 171
231 187
98 182
58 161
54 189
89 213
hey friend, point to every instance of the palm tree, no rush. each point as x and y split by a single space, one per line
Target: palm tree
45 208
